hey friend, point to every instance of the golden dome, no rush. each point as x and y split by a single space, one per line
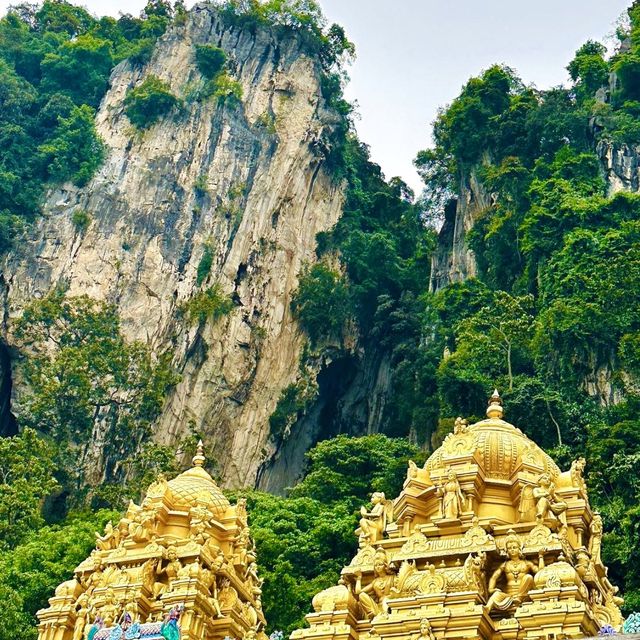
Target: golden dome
196 486
500 448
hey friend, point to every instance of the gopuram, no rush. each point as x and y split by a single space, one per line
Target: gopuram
489 540
180 565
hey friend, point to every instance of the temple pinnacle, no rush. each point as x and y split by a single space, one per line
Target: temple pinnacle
494 410
198 459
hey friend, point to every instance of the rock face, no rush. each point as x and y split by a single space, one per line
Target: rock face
453 261
352 392
249 181
621 164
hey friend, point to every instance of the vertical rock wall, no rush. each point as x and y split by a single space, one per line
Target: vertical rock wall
452 260
266 195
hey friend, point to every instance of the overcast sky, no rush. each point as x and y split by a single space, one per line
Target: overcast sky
414 56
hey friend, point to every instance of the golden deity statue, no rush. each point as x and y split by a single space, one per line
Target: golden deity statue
373 597
452 497
519 576
168 569
488 540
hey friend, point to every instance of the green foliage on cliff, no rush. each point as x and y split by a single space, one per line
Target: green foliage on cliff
148 102
55 63
303 18
322 302
208 304
210 60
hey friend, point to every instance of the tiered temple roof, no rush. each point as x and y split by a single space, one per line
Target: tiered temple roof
181 564
489 540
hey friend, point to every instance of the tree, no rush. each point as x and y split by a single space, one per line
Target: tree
79 68
506 326
302 544
589 70
148 102
26 478
83 375
347 470
75 150
586 307
30 572
304 540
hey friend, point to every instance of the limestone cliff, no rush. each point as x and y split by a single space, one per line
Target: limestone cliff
249 181
621 164
453 260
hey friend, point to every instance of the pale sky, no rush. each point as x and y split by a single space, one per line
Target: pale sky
415 55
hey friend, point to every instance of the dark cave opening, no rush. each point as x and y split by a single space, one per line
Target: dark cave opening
322 420
8 423
333 382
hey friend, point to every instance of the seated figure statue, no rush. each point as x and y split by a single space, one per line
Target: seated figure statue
373 597
547 504
374 522
518 574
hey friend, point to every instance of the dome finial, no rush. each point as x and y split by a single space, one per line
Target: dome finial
198 459
494 410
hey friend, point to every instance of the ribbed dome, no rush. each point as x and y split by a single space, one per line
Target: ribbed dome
501 447
195 486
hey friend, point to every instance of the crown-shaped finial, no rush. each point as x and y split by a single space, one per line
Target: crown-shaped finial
494 410
198 459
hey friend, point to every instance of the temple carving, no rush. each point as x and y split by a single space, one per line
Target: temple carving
180 565
489 540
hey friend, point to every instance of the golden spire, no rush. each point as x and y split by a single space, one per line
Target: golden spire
494 410
198 459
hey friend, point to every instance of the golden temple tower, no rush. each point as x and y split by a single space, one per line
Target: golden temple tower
489 540
180 565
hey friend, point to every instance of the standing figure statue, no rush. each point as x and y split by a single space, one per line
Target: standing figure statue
452 497
518 573
595 541
82 615
373 523
169 628
373 597
109 610
547 504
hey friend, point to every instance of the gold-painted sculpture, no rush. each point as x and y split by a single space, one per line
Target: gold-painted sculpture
452 497
518 573
184 558
489 540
